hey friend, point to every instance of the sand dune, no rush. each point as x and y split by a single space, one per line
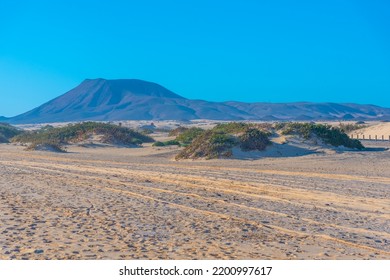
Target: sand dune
117 203
377 129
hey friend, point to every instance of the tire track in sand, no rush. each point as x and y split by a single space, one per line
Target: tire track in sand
223 216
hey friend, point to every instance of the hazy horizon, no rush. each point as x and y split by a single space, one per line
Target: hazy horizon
336 51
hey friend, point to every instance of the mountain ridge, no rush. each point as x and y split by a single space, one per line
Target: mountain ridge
134 99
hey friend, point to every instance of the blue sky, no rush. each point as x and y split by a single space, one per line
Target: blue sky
252 50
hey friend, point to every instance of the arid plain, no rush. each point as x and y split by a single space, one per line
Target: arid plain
140 203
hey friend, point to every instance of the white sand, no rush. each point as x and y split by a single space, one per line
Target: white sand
119 203
377 129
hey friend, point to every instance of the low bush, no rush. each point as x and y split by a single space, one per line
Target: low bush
188 135
50 146
346 128
172 142
219 141
158 144
254 139
330 135
177 131
232 127
166 143
8 131
74 133
210 144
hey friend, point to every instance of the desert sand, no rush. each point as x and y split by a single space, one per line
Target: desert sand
378 129
139 203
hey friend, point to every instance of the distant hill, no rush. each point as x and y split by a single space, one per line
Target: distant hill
131 99
3 118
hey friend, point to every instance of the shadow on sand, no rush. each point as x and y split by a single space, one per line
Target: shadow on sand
276 150
375 149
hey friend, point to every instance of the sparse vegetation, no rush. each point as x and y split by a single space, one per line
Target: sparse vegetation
199 143
239 127
158 144
209 144
166 143
46 146
330 135
346 128
219 141
7 132
254 139
74 133
232 127
177 131
188 135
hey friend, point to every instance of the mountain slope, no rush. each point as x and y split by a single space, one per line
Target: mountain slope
109 100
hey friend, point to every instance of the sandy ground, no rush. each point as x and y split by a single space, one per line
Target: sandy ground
376 129
138 203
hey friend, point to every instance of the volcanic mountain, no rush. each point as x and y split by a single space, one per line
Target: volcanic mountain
131 99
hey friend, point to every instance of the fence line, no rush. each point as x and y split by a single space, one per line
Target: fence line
370 137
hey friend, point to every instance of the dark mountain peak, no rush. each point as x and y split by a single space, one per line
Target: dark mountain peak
126 87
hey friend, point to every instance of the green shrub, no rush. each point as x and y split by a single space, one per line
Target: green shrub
232 127
52 146
210 144
265 127
280 125
240 127
172 142
46 127
177 131
346 128
254 139
166 143
330 135
158 144
74 133
7 132
3 139
188 135
219 141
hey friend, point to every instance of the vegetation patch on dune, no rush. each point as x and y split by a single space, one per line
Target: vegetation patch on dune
188 135
166 143
237 128
254 139
349 127
73 133
177 131
209 144
232 127
219 141
7 132
46 146
330 135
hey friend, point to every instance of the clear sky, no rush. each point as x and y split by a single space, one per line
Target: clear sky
244 50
